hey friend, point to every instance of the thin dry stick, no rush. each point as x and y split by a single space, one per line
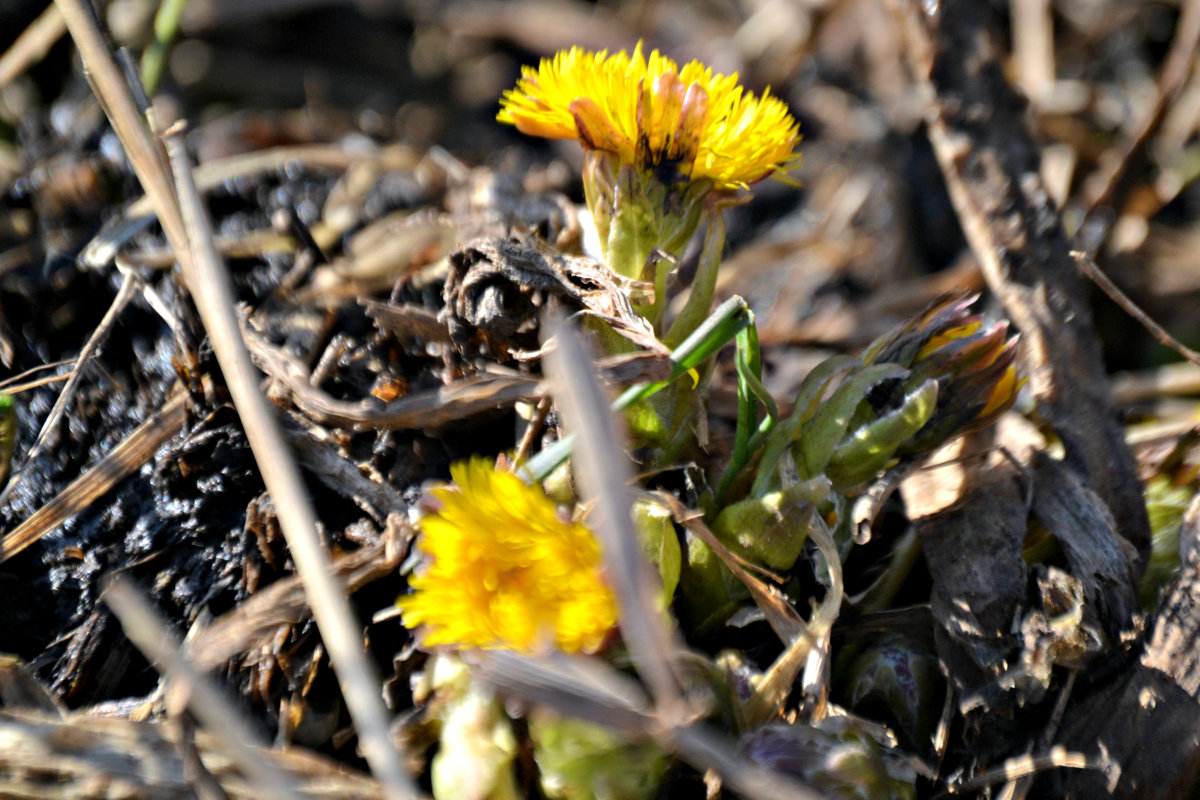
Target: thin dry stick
32 45
17 388
209 284
537 422
592 690
93 344
25 380
284 603
125 458
1018 789
1176 69
703 748
214 300
1089 268
1057 758
104 246
235 735
99 335
431 408
145 156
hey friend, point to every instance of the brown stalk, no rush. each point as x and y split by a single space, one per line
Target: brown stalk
160 645
124 459
208 283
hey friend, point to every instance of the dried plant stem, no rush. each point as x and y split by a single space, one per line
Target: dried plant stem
108 82
32 45
1176 68
46 436
236 736
213 295
124 459
603 473
25 381
99 335
209 285
590 689
1089 268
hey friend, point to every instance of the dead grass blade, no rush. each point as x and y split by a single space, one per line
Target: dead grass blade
209 285
428 409
1089 268
778 612
1177 67
108 82
316 451
589 689
32 45
25 381
603 472
95 341
285 603
215 711
140 213
98 758
124 460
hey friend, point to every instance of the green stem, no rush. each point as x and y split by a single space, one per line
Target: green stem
751 432
8 436
166 28
723 325
739 460
705 284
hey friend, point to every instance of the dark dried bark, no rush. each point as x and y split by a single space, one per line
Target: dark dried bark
974 527
970 514
1080 522
1148 722
991 165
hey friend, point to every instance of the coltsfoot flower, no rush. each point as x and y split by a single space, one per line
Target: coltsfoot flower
975 367
505 570
664 147
942 374
681 124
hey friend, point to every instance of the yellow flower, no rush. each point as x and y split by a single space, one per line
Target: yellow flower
975 367
505 570
690 123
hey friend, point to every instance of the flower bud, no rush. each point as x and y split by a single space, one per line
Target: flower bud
477 747
974 367
940 375
898 682
578 759
835 757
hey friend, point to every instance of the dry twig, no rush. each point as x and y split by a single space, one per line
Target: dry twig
205 277
137 448
217 713
209 284
32 45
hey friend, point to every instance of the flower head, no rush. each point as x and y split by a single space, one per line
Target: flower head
505 570
975 367
687 124
942 374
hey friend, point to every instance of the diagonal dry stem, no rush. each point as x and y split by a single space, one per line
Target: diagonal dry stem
208 283
214 710
603 473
